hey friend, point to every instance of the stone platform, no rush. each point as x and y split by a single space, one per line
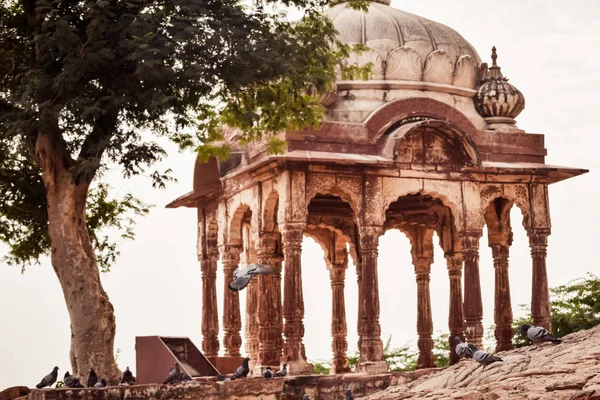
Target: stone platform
322 387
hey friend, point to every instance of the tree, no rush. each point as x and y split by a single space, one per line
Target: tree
575 306
85 85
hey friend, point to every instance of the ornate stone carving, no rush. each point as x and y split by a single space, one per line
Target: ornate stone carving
232 322
293 302
540 296
369 330
339 330
502 307
210 316
473 307
422 266
498 101
455 319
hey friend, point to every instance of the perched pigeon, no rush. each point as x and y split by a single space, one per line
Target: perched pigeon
173 375
242 276
49 379
537 334
306 397
268 373
222 378
282 371
71 381
100 384
92 378
128 377
242 370
482 357
349 394
462 349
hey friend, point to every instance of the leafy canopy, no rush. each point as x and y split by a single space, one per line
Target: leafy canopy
104 79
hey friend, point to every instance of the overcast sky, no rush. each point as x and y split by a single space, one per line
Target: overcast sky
548 49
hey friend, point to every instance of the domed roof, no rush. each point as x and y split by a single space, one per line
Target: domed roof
404 46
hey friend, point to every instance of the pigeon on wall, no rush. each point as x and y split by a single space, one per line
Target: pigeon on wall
268 373
482 357
49 379
242 276
173 375
92 378
282 371
128 377
100 384
71 381
462 349
537 334
242 370
349 394
306 397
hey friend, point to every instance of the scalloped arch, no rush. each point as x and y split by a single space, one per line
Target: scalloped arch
517 200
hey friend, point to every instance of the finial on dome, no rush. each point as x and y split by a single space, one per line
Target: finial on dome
498 101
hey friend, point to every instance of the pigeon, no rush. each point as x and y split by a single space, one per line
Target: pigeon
71 381
222 378
282 371
482 357
49 379
268 373
92 378
349 394
462 349
128 377
173 375
537 334
306 397
242 370
242 276
100 384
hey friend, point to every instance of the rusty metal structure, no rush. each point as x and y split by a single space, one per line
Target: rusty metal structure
428 144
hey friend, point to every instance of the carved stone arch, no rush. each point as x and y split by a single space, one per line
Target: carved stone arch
330 185
389 116
242 213
270 212
312 228
517 194
430 142
395 192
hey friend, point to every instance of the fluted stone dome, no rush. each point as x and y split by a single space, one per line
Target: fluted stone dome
406 47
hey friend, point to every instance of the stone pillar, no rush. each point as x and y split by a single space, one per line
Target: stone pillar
473 308
424 318
339 330
455 317
502 307
232 322
252 323
540 296
210 315
269 305
293 302
369 331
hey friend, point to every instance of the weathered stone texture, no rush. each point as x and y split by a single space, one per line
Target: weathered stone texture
568 371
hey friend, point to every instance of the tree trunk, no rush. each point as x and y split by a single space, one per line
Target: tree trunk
74 261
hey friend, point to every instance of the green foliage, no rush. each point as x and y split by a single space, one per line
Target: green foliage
321 367
575 306
102 79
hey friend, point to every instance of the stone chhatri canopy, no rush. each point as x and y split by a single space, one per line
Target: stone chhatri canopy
429 144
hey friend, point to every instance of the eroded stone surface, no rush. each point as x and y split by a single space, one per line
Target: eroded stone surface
570 370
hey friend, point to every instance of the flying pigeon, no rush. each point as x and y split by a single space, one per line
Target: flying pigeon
100 384
306 397
349 394
128 377
282 371
537 334
462 349
92 378
71 381
268 373
242 370
173 375
482 357
242 276
49 379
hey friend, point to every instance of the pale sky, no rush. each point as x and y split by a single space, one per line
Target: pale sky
548 49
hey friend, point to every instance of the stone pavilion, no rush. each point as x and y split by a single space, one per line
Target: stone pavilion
428 144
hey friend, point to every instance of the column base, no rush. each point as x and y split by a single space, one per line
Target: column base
372 367
299 367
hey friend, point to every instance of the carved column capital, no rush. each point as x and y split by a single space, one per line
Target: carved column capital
422 267
454 263
470 240
538 240
369 237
